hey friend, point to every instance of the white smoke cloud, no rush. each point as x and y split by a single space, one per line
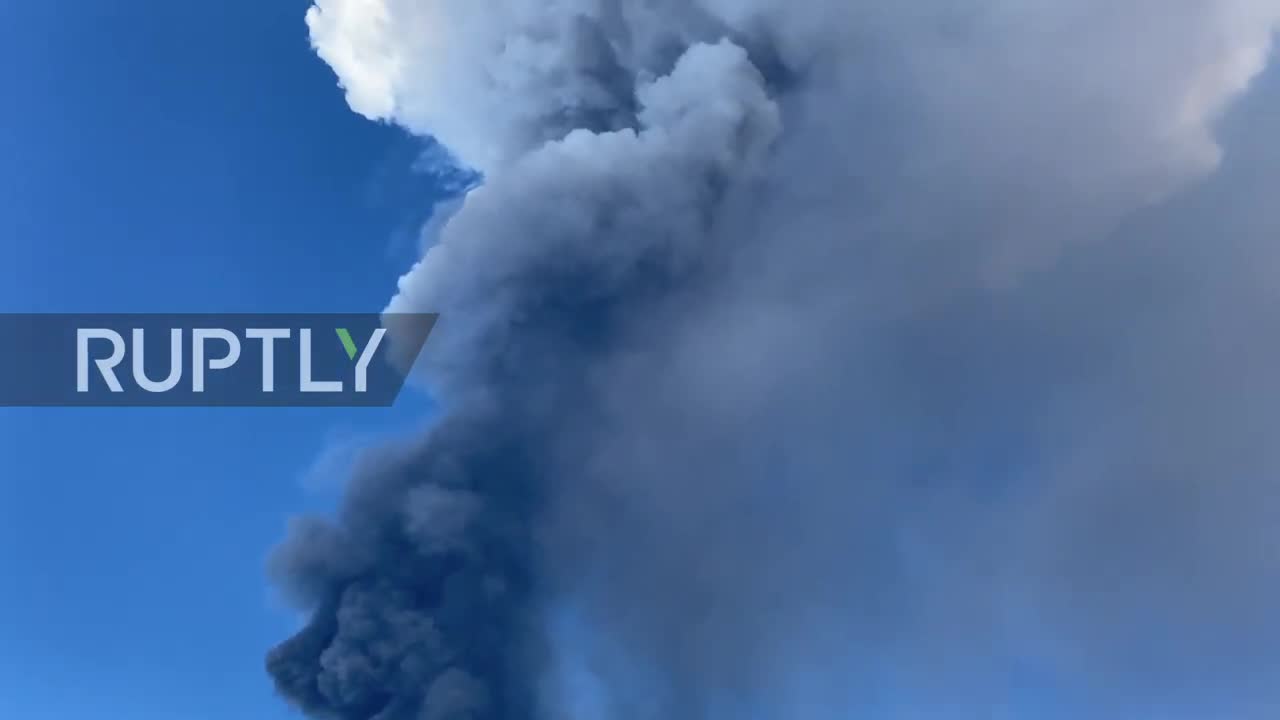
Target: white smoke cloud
475 75
884 359
708 123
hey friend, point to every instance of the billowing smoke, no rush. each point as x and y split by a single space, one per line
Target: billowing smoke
820 359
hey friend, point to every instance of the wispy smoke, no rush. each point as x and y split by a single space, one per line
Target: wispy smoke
819 359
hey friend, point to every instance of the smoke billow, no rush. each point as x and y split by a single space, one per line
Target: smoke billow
819 359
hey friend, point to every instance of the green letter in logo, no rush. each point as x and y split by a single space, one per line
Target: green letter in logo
347 343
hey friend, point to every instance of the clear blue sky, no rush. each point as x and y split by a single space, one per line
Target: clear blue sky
160 156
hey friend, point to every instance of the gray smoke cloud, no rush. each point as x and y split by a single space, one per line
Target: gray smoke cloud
819 359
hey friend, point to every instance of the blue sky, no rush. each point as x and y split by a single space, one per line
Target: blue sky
167 157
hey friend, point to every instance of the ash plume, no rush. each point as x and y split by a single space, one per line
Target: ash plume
819 359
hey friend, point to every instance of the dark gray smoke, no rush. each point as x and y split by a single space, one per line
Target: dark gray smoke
819 359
